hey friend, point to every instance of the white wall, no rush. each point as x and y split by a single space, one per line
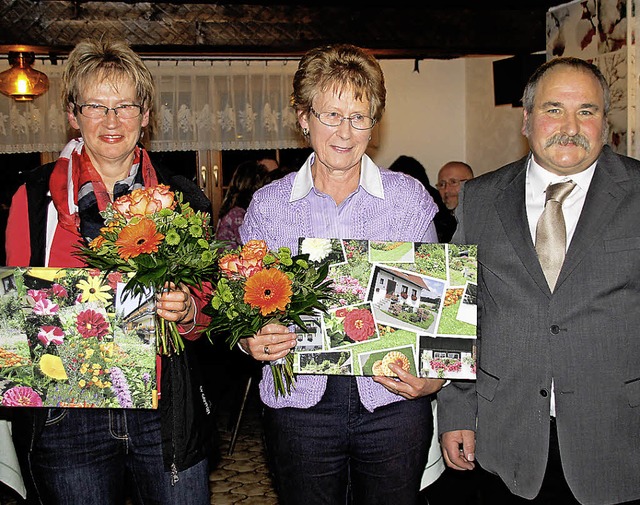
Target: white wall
425 114
492 133
446 112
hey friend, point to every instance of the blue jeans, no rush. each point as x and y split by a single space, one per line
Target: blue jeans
84 457
322 454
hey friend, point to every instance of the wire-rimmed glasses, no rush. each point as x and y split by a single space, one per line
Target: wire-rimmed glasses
96 111
358 121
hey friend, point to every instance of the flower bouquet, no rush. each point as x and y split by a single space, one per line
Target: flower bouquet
157 237
256 287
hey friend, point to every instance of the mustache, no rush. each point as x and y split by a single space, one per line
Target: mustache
563 139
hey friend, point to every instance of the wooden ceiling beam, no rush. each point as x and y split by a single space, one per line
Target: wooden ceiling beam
285 29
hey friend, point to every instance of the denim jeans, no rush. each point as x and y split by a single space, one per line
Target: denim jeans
337 448
85 457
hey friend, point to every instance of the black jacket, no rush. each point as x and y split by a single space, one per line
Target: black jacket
186 411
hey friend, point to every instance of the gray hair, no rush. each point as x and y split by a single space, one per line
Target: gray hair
529 94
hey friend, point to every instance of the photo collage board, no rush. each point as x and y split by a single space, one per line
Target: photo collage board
73 338
404 303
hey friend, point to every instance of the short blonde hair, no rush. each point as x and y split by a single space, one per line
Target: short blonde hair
110 60
339 67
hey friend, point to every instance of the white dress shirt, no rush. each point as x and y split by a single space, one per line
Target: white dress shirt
537 180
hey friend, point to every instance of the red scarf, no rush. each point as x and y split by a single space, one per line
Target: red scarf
74 169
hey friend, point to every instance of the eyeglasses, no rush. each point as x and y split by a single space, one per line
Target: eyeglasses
358 121
453 183
95 111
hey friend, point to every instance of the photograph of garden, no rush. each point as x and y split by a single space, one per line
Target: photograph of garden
390 299
326 363
450 358
71 338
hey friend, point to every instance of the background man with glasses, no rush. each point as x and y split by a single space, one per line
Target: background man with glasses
450 176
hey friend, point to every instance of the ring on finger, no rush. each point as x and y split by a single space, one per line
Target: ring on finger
266 350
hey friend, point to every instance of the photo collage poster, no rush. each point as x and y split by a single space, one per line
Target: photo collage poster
404 303
73 338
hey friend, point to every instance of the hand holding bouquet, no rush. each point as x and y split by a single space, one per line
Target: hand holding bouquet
156 236
256 287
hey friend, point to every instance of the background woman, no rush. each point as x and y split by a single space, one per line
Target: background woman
248 177
85 456
339 434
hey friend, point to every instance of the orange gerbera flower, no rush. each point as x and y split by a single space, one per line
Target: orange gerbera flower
268 289
140 238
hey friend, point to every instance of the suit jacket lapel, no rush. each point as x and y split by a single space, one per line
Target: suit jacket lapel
606 191
511 208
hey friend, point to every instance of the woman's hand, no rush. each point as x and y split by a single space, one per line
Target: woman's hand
175 304
271 343
407 385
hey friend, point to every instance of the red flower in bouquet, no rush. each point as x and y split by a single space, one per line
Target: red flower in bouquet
269 290
359 325
92 324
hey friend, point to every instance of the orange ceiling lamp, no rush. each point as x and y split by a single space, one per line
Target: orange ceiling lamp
21 82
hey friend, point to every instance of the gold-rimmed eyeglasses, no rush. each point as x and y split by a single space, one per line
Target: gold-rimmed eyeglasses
96 111
358 121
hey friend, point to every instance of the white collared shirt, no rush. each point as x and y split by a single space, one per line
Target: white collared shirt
370 179
537 180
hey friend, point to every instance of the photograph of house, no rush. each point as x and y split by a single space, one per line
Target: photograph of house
404 300
454 358
137 313
311 338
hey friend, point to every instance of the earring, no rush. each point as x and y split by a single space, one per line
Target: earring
305 132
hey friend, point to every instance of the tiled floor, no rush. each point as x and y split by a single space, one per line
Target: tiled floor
243 477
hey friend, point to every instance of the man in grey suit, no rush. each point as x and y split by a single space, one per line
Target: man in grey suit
555 410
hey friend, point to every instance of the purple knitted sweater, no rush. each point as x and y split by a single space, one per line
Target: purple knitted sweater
386 206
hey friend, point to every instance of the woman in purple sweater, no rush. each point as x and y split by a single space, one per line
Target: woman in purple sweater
339 435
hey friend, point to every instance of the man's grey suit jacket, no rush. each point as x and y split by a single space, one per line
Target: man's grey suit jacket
585 336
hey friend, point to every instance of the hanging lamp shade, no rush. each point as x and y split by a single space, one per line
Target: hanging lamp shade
21 82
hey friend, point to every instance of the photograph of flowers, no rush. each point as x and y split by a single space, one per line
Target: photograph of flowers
72 338
410 304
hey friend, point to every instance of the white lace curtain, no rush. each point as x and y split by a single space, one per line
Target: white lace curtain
200 104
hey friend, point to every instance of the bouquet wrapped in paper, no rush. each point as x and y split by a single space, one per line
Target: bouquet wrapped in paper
153 234
255 287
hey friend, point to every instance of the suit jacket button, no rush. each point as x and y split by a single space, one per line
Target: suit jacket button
544 393
555 329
